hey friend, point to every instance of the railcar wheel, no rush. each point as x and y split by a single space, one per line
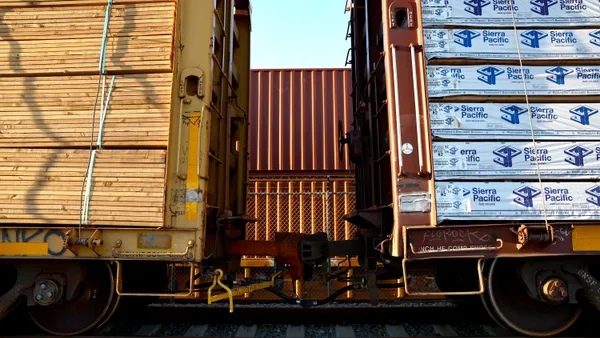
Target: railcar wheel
485 298
94 303
509 300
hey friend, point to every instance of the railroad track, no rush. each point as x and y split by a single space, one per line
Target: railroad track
248 321
317 331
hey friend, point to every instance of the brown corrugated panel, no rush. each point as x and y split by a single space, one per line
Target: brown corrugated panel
294 117
300 205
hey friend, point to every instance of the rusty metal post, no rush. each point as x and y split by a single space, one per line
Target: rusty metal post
328 229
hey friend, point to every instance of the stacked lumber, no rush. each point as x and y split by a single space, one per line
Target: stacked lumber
57 111
45 186
58 40
55 104
42 3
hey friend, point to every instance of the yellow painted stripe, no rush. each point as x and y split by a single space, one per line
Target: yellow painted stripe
191 208
24 249
586 238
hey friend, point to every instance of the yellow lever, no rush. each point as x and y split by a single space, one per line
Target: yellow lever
235 292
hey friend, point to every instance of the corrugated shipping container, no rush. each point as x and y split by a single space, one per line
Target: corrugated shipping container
294 116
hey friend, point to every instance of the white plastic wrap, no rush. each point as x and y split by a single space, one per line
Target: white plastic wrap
508 80
518 201
516 160
499 12
512 120
534 44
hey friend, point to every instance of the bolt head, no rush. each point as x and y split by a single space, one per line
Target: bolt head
42 286
38 297
49 294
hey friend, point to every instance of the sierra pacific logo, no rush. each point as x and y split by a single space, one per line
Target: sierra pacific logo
525 195
542 7
594 195
505 155
449 108
489 74
558 74
453 150
582 114
595 38
475 7
465 37
532 38
512 113
458 191
576 154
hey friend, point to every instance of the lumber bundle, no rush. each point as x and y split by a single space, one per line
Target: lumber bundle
59 40
44 186
55 104
39 3
57 111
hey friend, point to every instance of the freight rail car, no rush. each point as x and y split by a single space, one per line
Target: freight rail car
474 147
124 158
123 150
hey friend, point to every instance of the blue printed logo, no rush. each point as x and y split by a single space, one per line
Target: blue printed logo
449 108
465 37
449 121
595 38
456 205
453 162
453 150
581 114
576 154
505 155
511 113
542 7
558 74
533 38
594 193
475 7
525 195
465 192
489 74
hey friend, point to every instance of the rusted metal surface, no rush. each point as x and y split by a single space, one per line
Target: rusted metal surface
294 117
297 205
482 241
285 248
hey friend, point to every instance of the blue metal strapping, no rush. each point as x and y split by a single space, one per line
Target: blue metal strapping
104 108
104 35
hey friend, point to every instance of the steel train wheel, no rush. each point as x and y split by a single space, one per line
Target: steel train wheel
485 298
94 303
509 301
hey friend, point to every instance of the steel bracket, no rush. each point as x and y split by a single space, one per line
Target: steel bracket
72 242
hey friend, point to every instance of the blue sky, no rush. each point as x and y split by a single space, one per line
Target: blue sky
299 34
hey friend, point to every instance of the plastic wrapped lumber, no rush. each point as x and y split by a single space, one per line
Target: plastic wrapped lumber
513 201
501 44
499 13
490 80
516 160
549 121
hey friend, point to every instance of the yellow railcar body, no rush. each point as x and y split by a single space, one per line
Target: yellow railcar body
205 170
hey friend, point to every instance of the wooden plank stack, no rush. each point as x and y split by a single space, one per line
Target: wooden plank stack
54 105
